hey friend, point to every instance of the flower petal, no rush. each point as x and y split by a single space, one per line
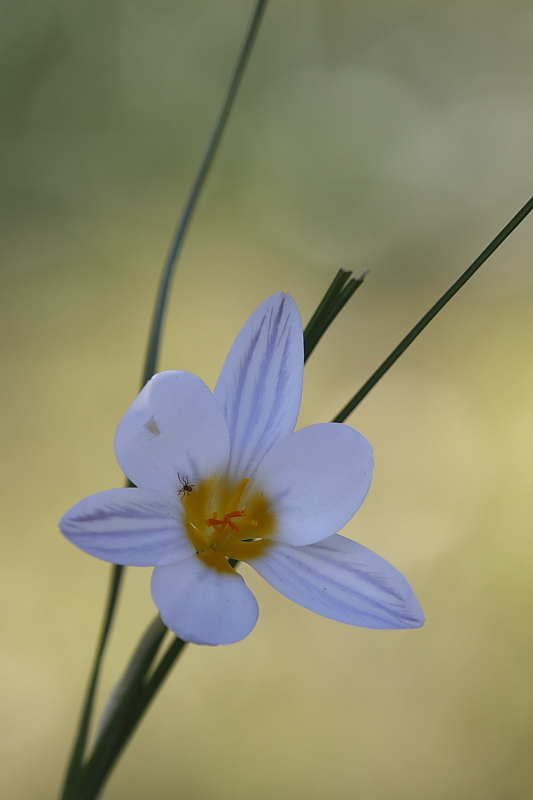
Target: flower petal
135 527
315 480
260 385
173 426
341 580
202 604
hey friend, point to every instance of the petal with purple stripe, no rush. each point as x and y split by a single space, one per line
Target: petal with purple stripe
133 527
260 386
341 580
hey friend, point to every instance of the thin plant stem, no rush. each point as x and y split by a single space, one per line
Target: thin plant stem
434 310
151 359
314 324
192 198
121 713
336 297
83 731
136 671
113 742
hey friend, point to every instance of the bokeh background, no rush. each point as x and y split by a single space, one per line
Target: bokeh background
390 135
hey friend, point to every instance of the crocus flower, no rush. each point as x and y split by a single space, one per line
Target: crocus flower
223 476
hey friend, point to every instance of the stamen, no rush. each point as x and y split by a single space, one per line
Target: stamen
213 521
235 498
227 532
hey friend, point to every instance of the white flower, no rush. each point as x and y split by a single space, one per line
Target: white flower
223 476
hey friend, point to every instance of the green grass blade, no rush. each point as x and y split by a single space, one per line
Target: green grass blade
434 310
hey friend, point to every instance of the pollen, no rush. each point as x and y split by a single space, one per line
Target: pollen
226 520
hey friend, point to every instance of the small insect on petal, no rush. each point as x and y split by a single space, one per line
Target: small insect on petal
186 487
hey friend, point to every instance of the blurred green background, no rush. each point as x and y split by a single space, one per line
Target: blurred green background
393 135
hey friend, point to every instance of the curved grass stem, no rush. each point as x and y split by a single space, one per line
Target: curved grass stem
434 310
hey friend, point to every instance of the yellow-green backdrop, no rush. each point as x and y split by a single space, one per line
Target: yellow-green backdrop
392 135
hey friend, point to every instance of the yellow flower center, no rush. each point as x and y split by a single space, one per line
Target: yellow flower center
227 521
